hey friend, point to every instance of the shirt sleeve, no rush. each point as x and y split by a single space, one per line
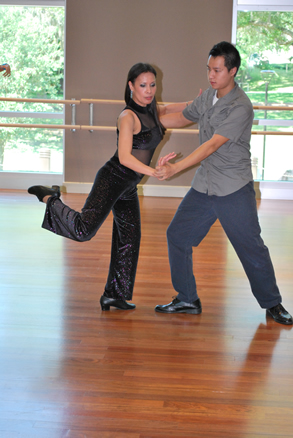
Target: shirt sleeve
191 111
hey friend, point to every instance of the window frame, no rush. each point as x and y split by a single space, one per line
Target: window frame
33 3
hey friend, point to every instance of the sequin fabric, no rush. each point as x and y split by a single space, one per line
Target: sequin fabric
114 189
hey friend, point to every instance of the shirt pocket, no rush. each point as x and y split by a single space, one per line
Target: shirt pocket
218 117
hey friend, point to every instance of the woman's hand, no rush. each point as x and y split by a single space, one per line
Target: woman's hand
165 171
162 171
163 160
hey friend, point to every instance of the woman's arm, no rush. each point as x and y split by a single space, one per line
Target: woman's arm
174 120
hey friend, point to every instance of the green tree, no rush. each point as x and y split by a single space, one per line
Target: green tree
32 42
260 31
257 33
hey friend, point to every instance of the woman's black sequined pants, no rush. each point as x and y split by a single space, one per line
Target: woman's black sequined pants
114 189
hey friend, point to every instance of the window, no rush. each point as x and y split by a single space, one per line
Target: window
32 42
263 36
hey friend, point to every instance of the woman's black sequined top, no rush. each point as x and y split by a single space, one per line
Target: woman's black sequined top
145 142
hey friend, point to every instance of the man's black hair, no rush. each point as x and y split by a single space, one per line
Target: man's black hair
229 53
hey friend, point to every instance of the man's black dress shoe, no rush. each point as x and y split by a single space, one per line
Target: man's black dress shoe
42 191
280 315
119 304
177 306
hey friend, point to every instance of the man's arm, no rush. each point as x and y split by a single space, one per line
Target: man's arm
178 107
174 120
204 151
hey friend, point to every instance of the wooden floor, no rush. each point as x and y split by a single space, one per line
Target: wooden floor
68 370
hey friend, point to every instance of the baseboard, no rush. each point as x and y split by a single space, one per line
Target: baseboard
263 190
162 191
75 187
282 190
142 189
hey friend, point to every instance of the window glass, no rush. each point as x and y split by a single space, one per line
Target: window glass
265 41
32 42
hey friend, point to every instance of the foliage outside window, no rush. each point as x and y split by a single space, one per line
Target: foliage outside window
265 42
32 42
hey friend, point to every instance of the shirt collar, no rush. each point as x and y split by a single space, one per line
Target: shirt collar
229 97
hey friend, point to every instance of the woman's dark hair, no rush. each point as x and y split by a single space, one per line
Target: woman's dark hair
229 53
133 73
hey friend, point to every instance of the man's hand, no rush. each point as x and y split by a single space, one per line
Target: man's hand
165 171
162 171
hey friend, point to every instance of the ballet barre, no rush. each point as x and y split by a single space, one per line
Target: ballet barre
91 127
72 102
273 107
37 126
122 102
57 101
113 128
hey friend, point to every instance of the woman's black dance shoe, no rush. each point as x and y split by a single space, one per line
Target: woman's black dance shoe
106 303
42 191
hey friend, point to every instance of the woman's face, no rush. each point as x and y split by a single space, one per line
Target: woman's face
143 89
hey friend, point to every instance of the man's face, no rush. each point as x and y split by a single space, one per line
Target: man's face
219 77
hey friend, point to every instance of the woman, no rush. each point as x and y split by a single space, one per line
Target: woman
139 132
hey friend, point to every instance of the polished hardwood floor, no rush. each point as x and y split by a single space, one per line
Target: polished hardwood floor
69 370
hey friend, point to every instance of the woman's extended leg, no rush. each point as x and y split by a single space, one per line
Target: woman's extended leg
110 183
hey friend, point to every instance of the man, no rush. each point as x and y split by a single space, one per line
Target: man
222 188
